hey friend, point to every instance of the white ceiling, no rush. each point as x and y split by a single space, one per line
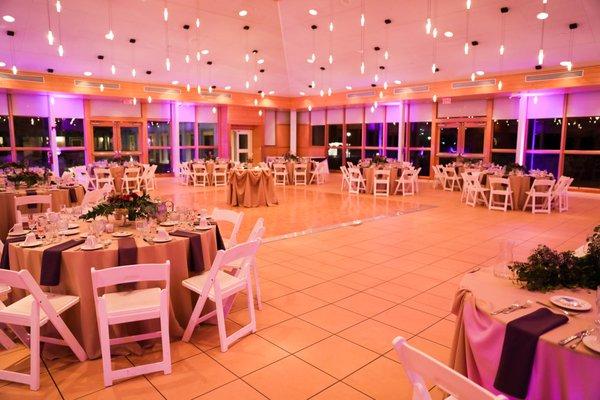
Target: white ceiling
280 30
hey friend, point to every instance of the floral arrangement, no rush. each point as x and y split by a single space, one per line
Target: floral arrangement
378 160
548 269
21 173
291 157
134 205
514 169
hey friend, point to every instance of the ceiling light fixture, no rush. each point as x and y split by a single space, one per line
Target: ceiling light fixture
87 73
149 99
542 16
271 92
502 49
260 61
479 73
362 37
243 13
309 108
540 55
569 64
174 82
227 87
110 35
398 82
348 87
302 93
448 34
204 52
2 64
49 35
214 110
428 19
313 12
9 18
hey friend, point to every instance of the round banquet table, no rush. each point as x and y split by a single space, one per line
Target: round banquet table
60 197
75 279
369 175
252 187
210 169
117 172
519 184
290 165
558 372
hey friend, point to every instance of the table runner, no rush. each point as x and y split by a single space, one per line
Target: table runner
4 261
195 255
127 252
518 350
51 258
220 243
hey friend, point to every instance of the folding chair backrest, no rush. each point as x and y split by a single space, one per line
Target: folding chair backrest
301 167
240 255
232 217
102 278
257 231
449 171
45 199
197 167
382 173
132 172
420 367
499 183
102 173
542 185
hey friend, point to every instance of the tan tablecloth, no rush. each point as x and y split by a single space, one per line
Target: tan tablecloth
75 279
60 197
251 188
369 175
290 165
519 185
210 168
558 372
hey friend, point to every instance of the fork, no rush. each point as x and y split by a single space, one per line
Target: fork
567 313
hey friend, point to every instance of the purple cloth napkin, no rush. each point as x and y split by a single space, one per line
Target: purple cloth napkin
4 261
127 253
50 273
220 243
195 255
518 350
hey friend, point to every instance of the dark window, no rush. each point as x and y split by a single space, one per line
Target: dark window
503 158
204 153
474 139
186 155
336 133
130 138
548 162
38 158
583 133
505 134
186 134
420 134
370 153
448 139
162 158
31 132
544 134
374 134
207 134
68 159
420 159
392 154
353 155
317 135
159 134
69 132
4 131
447 160
585 169
5 157
354 135
392 134
103 138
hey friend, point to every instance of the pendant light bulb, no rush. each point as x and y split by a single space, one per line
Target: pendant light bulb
499 85
331 26
214 110
321 93
58 6
110 35
14 69
329 92
166 14
331 59
569 66
376 104
102 87
312 84
372 109
210 89
61 50
247 57
247 85
472 76
502 49
381 94
197 22
433 68
434 33
50 37
198 56
428 26
362 20
376 78
168 64
188 87
541 56
198 89
149 99
113 69
385 85
386 55
134 101
434 98
468 4
262 95
466 49
309 108
260 113
255 102
255 78
187 58
362 68
133 72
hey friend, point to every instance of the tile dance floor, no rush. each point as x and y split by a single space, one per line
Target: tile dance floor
333 298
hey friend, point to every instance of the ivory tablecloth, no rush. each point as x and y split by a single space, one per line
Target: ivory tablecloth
7 204
75 279
251 188
558 372
369 175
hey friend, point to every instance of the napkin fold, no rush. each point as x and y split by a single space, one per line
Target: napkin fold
518 350
220 243
51 257
4 261
127 252
195 255
72 195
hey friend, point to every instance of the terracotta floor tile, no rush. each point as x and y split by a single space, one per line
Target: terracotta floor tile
298 281
129 389
332 318
340 391
47 391
365 304
273 271
294 334
247 355
297 303
441 353
271 290
381 379
179 351
373 335
406 319
329 291
191 378
236 390
392 292
442 332
417 282
336 356
289 379
206 336
358 281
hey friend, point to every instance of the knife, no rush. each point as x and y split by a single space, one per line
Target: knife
572 337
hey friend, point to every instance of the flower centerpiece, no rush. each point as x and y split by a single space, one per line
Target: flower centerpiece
291 157
22 174
379 160
131 206
515 169
547 269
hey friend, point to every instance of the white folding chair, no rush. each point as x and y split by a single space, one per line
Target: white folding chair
147 180
475 192
406 182
381 182
185 175
356 182
199 174
102 176
232 217
540 189
92 197
131 180
560 194
438 177
452 178
220 175
43 201
319 172
300 174
280 174
345 178
5 341
34 311
216 285
420 367
131 306
416 178
500 194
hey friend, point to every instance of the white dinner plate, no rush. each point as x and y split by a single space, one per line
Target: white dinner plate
122 234
571 303
592 342
158 240
32 244
69 232
96 247
168 223
202 228
25 232
73 225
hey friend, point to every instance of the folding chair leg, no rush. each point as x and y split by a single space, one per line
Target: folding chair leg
5 341
164 327
257 285
194 318
105 349
34 372
250 298
221 324
68 337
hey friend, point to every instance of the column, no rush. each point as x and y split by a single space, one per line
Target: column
52 133
521 130
175 138
293 132
401 130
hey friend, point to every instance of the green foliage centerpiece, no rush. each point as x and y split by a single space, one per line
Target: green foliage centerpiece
23 174
291 157
131 205
547 269
379 160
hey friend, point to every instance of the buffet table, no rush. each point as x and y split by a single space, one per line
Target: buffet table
558 372
75 279
251 188
61 196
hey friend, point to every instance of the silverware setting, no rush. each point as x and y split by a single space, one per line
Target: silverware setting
569 339
513 307
551 306
580 338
